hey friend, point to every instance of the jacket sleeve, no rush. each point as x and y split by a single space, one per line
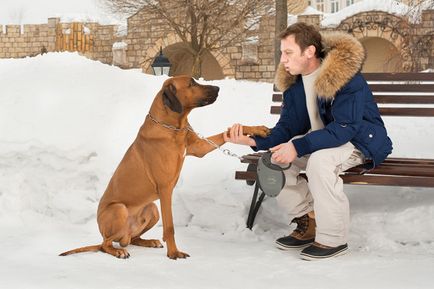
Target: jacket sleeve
347 110
283 130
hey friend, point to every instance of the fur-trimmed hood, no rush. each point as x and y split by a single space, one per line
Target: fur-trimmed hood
344 58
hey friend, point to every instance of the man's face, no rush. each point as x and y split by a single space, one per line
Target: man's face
294 60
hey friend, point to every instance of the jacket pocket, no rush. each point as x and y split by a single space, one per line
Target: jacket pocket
374 138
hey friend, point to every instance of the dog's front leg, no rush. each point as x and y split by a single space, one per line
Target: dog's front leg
168 228
198 147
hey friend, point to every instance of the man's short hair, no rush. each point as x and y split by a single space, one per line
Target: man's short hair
304 35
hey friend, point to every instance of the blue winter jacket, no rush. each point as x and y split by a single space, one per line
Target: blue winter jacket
346 106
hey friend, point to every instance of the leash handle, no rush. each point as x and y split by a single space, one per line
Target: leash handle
267 162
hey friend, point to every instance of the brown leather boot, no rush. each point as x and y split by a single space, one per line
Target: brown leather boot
302 236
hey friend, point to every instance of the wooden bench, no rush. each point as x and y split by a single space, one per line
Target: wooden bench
397 95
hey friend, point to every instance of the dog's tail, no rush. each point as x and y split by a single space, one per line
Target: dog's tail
94 248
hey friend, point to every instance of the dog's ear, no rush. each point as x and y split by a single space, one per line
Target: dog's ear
170 100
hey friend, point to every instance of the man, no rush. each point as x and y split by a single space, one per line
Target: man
329 123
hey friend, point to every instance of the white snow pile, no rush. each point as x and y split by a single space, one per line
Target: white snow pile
65 123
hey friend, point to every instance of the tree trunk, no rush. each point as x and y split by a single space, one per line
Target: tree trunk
196 69
280 24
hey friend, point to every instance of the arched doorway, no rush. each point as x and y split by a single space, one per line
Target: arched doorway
182 62
381 55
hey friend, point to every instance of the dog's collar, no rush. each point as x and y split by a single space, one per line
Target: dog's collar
168 126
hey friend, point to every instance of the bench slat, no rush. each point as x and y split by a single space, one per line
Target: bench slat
409 161
389 181
387 111
407 170
407 111
391 166
402 87
392 161
389 99
404 99
409 76
401 170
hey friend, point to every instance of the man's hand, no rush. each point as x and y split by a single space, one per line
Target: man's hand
284 153
235 135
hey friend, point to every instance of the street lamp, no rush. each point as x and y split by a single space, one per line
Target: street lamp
161 64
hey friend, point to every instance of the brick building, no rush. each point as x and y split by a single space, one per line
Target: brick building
386 37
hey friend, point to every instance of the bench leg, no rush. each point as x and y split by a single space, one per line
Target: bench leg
254 206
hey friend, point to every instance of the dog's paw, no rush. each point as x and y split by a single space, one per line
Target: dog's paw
117 252
147 243
177 254
121 254
260 130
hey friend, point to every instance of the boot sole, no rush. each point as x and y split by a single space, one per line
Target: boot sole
287 247
308 257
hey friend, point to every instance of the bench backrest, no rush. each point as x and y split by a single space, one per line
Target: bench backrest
397 94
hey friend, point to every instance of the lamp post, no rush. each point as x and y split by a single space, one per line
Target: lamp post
161 64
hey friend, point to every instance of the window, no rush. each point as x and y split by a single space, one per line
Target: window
335 6
350 2
320 5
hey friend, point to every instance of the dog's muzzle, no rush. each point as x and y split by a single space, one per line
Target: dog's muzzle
211 95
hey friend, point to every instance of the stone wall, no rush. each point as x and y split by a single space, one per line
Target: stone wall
104 36
427 28
251 59
414 42
259 67
18 41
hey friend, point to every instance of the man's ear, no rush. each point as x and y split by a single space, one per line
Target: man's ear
310 51
171 100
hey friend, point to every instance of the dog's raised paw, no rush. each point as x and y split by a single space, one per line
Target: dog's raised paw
261 131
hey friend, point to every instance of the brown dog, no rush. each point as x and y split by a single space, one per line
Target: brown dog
151 167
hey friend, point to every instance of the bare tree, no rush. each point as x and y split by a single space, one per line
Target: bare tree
418 46
280 25
201 24
296 7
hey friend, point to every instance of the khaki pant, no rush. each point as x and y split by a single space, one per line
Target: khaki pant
323 193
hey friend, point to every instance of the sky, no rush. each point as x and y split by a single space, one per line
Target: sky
37 12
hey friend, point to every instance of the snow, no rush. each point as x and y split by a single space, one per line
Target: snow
388 6
120 45
65 123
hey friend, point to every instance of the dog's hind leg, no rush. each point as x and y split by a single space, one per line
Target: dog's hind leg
150 217
113 225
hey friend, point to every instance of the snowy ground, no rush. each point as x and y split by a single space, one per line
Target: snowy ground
65 122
